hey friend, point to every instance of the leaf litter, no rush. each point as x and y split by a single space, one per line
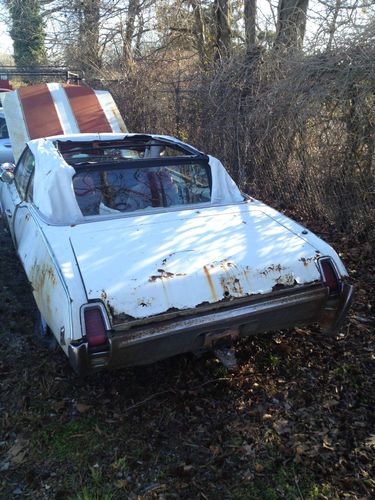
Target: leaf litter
296 420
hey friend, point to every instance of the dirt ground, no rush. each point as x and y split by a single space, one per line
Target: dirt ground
296 420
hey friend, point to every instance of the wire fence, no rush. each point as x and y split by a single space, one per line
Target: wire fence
297 132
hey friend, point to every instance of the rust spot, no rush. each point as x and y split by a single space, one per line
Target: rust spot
27 217
163 274
231 286
278 286
51 275
43 280
118 318
144 303
286 281
104 295
210 283
39 274
281 285
306 262
272 268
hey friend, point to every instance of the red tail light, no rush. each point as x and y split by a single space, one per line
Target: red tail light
330 275
94 327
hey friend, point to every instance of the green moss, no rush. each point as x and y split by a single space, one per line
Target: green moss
75 439
286 482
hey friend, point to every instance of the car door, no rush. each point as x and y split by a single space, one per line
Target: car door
14 193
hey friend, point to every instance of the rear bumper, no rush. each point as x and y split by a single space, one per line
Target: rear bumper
152 342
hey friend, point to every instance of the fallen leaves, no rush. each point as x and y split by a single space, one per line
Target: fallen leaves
282 426
82 407
16 455
301 401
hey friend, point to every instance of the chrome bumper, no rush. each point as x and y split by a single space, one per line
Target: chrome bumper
152 342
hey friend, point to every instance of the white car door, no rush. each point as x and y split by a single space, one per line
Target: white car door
14 193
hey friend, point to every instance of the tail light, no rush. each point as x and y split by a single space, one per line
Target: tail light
94 326
330 275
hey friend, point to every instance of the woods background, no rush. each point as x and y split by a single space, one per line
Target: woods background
282 91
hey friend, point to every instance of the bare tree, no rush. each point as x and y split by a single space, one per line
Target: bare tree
291 24
133 12
89 26
200 31
250 11
222 10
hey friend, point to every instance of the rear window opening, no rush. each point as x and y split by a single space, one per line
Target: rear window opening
131 148
126 189
136 173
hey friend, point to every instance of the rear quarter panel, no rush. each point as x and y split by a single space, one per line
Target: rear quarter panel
50 278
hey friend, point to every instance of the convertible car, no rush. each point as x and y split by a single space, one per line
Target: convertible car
139 247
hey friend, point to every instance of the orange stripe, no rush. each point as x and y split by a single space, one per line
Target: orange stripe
87 109
39 111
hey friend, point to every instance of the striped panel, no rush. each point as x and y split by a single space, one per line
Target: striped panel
64 111
87 110
18 132
111 111
39 111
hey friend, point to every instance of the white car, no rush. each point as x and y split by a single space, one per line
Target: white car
139 247
6 153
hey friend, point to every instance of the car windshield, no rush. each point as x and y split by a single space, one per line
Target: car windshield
126 188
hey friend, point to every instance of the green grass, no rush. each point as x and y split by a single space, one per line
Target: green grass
73 440
92 493
288 482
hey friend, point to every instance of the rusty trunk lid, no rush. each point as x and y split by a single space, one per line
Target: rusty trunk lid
149 264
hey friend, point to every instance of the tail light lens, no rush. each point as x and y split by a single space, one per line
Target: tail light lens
94 326
330 275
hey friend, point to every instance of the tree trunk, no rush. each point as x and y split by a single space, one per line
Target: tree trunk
250 10
133 11
222 11
89 26
332 28
27 32
200 32
291 24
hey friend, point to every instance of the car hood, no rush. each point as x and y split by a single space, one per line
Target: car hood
149 264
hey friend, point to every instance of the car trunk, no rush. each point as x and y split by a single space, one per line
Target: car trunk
144 265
